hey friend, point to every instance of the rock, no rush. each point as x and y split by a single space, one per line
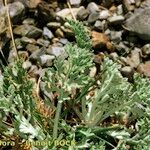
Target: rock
32 48
54 25
82 14
107 3
29 21
100 25
122 48
54 41
114 56
98 59
134 59
146 49
129 5
100 40
107 31
59 33
27 64
12 56
18 43
23 54
145 4
93 17
127 71
139 24
47 33
46 60
116 20
33 3
92 7
16 11
46 11
75 2
119 10
65 13
116 36
43 42
138 3
26 40
93 71
68 32
63 41
36 54
144 68
28 31
56 51
113 9
34 71
104 14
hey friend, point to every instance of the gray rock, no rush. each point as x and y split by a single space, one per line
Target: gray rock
26 40
116 20
138 2
46 11
93 17
63 41
134 59
129 5
82 14
36 54
100 25
65 13
16 11
139 23
119 9
145 4
114 56
34 71
47 33
107 3
121 47
127 71
56 51
18 43
43 42
104 14
146 49
75 2
29 21
32 48
92 7
46 60
116 36
27 64
12 56
54 25
28 31
107 32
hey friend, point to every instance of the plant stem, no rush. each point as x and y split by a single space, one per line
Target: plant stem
57 116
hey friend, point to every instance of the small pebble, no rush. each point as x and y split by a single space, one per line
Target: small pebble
47 33
92 7
116 20
46 60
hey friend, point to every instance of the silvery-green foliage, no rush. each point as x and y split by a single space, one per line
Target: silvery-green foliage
17 102
69 78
